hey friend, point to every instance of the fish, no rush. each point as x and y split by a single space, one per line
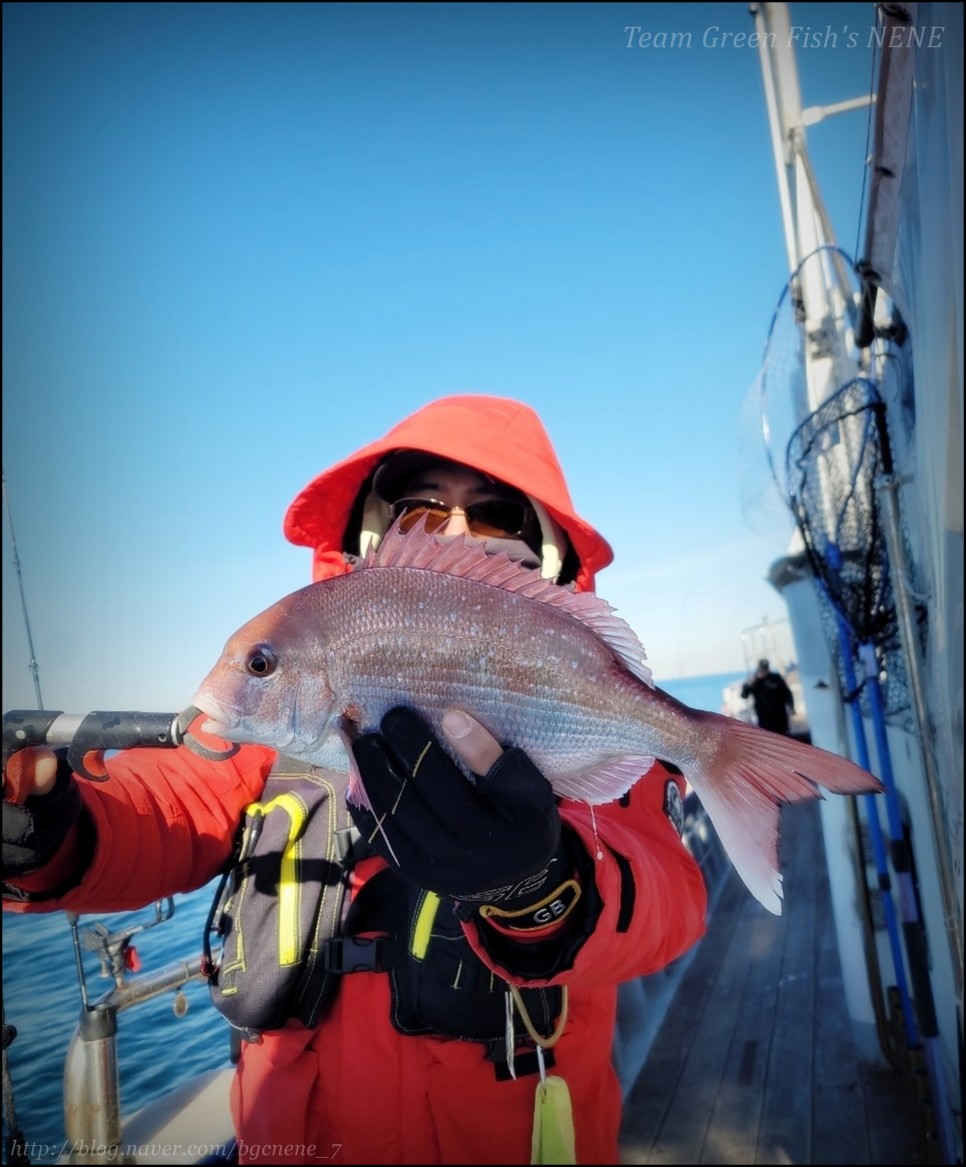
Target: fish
438 623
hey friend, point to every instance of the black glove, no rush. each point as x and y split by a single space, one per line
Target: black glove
495 846
33 831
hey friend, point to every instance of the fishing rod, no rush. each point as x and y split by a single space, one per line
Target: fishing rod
85 738
33 666
88 737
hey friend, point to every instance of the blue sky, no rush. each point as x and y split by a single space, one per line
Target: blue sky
242 240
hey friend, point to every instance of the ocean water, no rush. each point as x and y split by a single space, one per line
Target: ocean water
156 1048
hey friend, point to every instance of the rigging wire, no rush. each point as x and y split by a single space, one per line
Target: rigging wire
13 1142
32 665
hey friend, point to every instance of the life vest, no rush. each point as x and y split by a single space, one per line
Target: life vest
289 930
282 896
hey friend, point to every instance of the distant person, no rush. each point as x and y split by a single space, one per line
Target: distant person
772 697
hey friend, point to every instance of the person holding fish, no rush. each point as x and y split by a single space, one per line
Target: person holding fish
448 786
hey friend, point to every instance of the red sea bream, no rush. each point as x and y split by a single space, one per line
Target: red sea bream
438 623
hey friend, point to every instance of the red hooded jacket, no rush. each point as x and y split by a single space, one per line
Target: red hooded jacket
355 1089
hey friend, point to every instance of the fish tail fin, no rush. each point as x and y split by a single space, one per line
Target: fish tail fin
751 775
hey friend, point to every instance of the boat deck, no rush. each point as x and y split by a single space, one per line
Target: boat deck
754 1061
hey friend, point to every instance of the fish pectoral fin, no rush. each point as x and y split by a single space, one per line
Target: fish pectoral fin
356 793
604 782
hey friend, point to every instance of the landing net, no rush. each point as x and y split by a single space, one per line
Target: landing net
832 464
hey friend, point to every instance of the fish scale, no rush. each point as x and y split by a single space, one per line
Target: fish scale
438 623
499 667
502 674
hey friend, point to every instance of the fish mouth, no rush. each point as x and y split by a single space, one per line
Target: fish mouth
220 722
230 725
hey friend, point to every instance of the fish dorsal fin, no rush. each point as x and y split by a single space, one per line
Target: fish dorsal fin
469 559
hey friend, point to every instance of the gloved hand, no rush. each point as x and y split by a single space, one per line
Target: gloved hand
495 846
41 803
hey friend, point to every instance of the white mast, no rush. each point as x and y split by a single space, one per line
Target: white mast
822 286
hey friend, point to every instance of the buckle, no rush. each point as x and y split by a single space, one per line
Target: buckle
349 954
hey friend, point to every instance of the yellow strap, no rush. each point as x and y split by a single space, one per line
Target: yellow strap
289 891
423 926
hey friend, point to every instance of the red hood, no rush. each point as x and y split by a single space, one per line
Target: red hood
498 436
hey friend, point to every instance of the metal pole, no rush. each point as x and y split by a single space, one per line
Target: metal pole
98 1031
777 128
92 1103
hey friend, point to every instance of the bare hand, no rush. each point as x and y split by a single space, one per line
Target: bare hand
478 748
29 771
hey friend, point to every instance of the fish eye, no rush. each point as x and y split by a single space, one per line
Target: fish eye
261 661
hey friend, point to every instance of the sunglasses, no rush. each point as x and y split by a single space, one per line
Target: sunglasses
492 518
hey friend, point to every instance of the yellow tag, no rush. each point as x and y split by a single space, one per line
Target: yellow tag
553 1124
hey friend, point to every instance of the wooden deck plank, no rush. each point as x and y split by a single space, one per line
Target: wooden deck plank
840 1119
683 1131
733 1132
755 1062
895 1119
651 1097
786 1127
